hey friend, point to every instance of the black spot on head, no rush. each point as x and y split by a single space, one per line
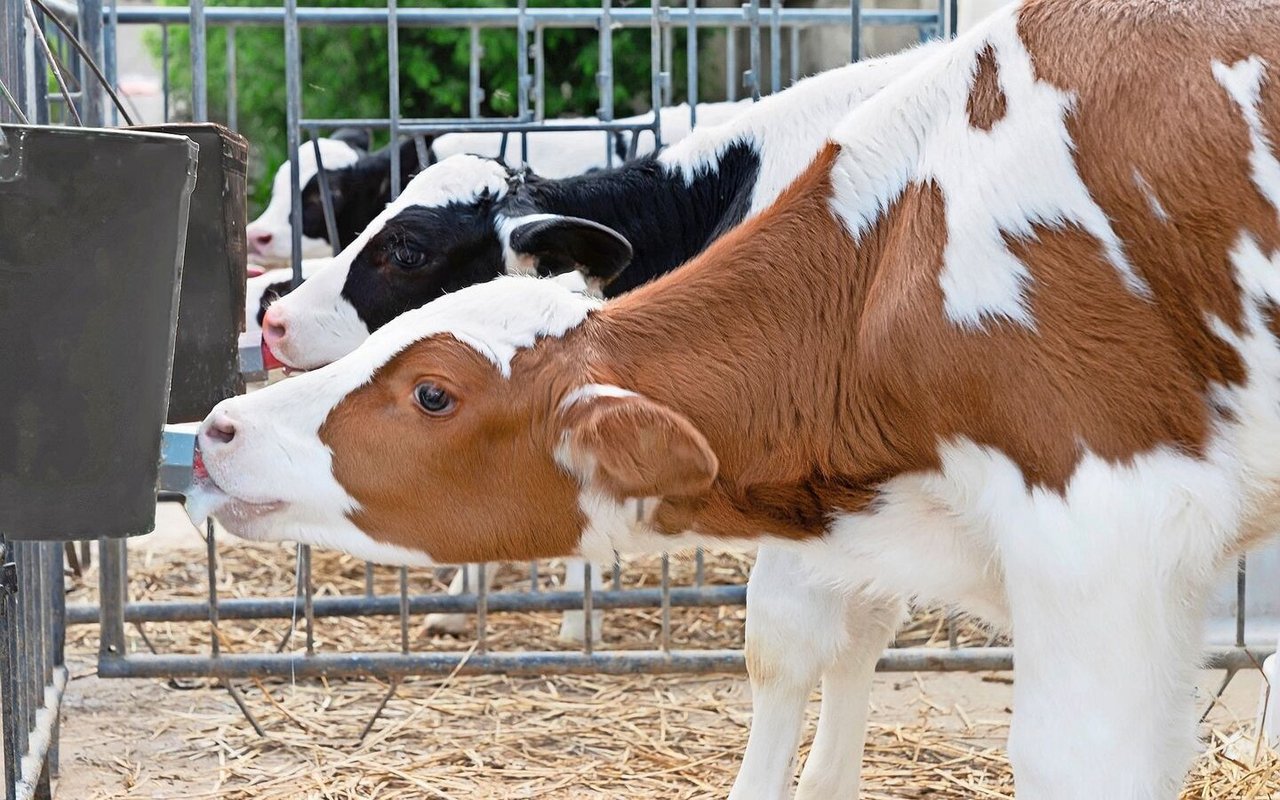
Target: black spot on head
272 293
421 254
359 192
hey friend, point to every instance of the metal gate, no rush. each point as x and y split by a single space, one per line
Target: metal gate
754 23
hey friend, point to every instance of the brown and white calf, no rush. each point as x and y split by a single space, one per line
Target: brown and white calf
1023 315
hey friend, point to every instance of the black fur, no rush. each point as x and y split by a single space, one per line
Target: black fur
420 255
425 252
359 193
666 221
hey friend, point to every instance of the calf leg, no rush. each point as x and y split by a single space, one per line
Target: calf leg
1106 647
457 624
834 768
573 623
798 629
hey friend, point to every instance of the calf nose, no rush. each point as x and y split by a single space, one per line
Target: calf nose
218 430
274 330
260 239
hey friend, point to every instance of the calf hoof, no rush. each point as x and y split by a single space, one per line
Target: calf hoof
450 624
573 627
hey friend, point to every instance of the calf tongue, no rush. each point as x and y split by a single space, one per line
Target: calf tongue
269 360
204 497
253 270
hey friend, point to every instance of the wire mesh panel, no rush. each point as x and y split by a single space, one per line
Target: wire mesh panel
32 671
637 621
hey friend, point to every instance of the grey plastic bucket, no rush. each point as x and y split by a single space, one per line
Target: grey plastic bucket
206 367
92 230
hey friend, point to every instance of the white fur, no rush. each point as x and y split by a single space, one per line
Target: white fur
788 128
322 326
1153 202
257 286
918 130
274 219
277 454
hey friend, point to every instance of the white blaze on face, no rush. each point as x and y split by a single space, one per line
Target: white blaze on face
274 479
321 324
268 235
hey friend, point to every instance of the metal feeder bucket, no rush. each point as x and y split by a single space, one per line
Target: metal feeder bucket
92 229
206 367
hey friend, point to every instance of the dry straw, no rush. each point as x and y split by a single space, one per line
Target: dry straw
493 737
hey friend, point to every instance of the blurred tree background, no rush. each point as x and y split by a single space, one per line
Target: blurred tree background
345 73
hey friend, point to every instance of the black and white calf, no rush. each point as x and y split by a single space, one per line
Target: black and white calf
268 235
360 183
468 219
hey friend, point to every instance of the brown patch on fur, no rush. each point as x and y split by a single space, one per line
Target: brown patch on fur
818 369
987 103
464 488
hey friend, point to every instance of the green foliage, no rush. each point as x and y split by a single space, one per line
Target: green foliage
345 72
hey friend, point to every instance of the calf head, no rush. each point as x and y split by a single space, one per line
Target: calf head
461 221
468 430
269 240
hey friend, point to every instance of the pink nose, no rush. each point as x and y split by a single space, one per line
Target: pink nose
274 333
219 430
258 240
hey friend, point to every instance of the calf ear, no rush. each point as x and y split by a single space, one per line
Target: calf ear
629 446
357 138
560 244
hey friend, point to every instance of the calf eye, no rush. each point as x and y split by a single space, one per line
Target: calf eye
408 259
433 398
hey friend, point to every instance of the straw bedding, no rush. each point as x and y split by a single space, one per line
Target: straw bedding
558 737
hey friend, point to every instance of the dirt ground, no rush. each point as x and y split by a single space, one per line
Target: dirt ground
932 735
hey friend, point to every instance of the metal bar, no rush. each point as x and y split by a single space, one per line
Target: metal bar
482 608
211 571
308 597
388 606
110 50
293 115
732 79
539 73
9 668
326 197
507 124
112 588
795 54
243 665
368 579
775 45
1241 600
42 101
393 92
588 606
691 61
665 641
12 59
752 79
476 53
656 74
233 95
856 19
523 79
199 63
604 74
164 68
404 610
633 17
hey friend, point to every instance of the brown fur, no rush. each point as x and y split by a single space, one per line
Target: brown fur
817 369
469 487
987 103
